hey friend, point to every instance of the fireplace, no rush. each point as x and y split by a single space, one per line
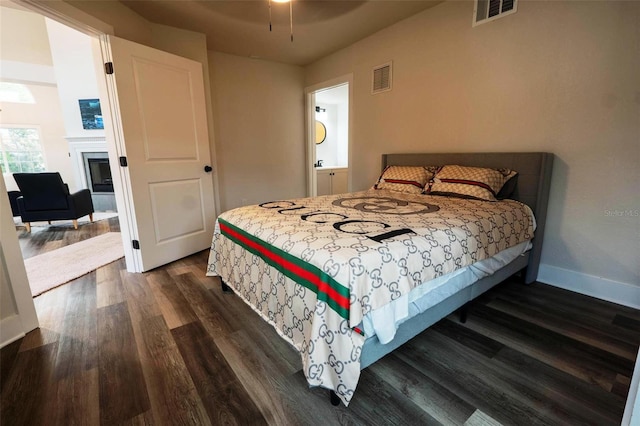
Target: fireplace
97 174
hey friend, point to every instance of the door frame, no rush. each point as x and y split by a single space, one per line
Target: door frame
25 318
115 147
98 31
310 128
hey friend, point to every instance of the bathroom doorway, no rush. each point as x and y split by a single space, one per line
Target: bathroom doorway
328 137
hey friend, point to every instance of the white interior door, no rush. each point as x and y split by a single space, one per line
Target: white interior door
158 100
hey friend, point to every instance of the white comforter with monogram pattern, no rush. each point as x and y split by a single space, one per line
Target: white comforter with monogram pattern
313 267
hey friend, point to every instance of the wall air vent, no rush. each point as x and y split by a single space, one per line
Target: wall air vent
490 10
381 81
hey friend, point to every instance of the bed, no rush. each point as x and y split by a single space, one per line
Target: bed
348 278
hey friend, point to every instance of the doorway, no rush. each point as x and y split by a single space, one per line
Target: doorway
329 119
117 150
158 140
56 67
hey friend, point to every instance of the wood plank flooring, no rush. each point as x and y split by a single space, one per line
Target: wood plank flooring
168 347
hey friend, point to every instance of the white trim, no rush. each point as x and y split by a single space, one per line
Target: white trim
116 148
310 150
87 139
631 414
310 120
11 329
330 84
613 291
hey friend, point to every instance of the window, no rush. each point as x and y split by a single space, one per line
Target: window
489 10
20 150
15 92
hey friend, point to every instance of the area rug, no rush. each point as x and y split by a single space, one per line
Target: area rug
68 223
54 268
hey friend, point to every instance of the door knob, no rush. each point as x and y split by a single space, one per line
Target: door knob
208 168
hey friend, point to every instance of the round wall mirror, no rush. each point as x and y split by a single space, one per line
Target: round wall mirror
321 132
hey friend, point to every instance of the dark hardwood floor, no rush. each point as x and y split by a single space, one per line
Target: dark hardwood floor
42 239
168 347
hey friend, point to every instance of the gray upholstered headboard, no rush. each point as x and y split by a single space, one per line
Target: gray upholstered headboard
534 182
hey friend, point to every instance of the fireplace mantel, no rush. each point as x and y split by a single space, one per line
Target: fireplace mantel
90 139
79 145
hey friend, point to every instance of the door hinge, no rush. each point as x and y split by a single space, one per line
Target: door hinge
108 67
123 161
135 244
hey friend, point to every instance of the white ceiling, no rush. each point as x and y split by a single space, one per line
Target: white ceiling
241 27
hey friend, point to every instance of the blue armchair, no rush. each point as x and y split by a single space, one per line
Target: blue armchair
46 197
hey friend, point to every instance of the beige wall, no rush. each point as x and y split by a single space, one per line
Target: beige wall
556 76
23 37
125 22
259 116
189 44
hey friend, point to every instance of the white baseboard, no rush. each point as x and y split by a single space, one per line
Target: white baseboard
612 291
11 329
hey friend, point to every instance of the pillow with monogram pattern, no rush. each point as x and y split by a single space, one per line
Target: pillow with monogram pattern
470 182
411 179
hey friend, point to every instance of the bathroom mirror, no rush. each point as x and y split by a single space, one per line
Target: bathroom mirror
321 132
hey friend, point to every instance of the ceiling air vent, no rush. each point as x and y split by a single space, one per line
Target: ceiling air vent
490 10
381 78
